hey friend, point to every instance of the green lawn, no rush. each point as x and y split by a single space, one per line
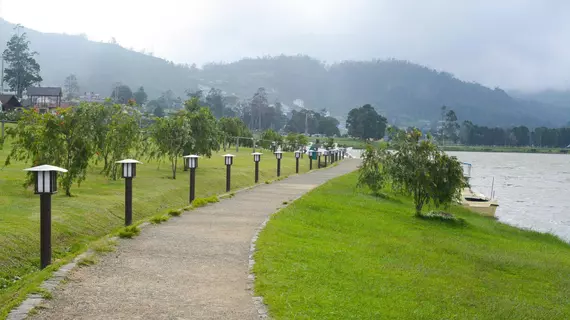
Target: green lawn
97 209
338 253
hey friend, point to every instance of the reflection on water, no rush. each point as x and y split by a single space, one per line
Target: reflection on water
532 189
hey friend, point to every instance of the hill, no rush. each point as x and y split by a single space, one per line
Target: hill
403 91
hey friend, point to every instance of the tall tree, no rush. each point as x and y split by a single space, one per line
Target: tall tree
71 87
366 123
171 135
215 102
451 127
22 69
140 96
121 93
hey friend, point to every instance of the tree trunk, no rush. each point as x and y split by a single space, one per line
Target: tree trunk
173 164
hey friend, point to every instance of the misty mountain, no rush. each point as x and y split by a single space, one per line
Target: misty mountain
560 98
402 91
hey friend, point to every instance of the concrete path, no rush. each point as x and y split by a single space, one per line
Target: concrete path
192 267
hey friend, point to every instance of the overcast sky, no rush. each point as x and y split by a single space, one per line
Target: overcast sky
514 44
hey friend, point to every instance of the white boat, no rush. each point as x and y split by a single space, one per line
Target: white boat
475 201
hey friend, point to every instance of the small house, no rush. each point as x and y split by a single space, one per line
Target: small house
9 102
44 98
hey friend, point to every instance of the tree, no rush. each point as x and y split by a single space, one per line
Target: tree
231 128
451 127
71 87
204 128
121 93
171 135
62 139
22 70
371 172
418 168
215 102
365 123
140 96
159 112
328 126
270 138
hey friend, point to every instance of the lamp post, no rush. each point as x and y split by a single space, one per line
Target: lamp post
319 153
45 185
326 154
311 159
278 156
129 171
229 160
192 163
256 159
297 156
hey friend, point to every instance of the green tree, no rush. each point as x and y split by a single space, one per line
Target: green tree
140 96
22 70
121 93
159 112
71 87
270 138
231 127
370 173
328 126
451 127
418 168
171 135
215 102
292 141
62 139
366 123
302 140
204 129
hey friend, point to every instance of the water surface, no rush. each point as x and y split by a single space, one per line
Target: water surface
532 189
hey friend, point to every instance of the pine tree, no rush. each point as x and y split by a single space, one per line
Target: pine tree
22 69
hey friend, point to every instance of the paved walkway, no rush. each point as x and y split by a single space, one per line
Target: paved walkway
192 267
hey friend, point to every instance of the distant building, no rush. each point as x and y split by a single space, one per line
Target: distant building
9 102
44 98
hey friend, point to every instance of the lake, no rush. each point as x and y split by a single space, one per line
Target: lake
532 189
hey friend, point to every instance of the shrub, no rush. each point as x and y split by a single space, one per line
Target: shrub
175 212
442 216
370 173
159 219
129 232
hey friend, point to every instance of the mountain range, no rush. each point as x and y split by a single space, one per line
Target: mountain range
404 92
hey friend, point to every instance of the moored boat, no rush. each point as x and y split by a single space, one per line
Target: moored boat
475 201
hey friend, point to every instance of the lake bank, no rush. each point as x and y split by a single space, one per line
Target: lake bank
338 253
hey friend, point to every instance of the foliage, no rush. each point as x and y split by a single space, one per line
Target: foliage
22 70
140 96
175 212
159 112
62 139
203 128
200 202
270 139
121 93
231 127
71 87
451 127
370 173
129 232
171 135
365 123
158 219
418 168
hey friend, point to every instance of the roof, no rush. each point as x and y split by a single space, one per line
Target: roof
10 99
46 167
44 91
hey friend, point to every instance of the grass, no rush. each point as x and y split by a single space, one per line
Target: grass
175 212
129 232
158 219
87 261
340 254
97 209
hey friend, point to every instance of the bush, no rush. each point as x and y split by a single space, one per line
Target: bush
159 219
129 232
175 212
370 173
200 202
442 216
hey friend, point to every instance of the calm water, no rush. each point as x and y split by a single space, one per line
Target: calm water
532 189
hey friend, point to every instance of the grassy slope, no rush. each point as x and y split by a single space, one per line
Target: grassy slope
97 208
340 254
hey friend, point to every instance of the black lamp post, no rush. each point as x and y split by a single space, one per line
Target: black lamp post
297 156
278 156
129 171
311 152
326 154
229 160
319 153
256 159
192 163
45 186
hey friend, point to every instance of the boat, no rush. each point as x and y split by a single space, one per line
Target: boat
475 201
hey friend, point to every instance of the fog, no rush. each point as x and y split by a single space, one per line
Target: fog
514 44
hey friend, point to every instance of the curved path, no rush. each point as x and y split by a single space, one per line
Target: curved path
192 267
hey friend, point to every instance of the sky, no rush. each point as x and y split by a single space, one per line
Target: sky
512 44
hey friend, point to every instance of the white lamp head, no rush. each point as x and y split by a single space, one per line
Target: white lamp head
129 167
278 154
192 161
256 156
298 154
229 159
45 178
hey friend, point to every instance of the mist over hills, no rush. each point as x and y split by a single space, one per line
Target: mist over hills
404 92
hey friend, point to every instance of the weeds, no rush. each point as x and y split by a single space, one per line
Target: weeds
159 219
129 232
175 212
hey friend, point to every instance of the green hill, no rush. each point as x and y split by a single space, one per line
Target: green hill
403 91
